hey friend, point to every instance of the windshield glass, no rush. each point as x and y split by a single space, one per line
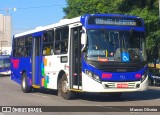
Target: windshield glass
5 63
120 46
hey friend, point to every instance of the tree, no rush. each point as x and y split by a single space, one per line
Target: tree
146 9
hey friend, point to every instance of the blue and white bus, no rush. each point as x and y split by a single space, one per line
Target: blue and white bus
103 53
5 65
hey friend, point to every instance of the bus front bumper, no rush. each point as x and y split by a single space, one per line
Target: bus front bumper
90 85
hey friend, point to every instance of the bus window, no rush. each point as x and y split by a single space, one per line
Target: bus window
28 40
15 42
21 42
24 53
27 50
5 65
17 53
1 63
7 62
61 40
48 40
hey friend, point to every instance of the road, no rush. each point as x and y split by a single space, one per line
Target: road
12 95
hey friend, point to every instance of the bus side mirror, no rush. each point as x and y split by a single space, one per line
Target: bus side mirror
83 42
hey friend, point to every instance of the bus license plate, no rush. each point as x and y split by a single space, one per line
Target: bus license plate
119 85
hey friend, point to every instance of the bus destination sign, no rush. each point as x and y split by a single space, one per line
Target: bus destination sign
114 21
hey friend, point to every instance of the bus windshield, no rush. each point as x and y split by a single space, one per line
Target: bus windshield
109 44
5 62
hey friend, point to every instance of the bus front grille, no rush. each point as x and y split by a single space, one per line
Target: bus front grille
114 85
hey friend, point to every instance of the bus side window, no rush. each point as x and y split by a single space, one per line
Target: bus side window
61 40
57 48
44 50
63 47
28 41
48 40
14 52
28 51
18 53
24 53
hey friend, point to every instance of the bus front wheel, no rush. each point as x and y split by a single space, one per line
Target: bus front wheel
25 87
65 93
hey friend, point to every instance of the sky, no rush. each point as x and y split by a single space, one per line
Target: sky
30 14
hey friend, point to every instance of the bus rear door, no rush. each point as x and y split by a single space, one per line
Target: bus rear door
36 59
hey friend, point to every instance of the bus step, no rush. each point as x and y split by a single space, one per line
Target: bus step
35 86
76 90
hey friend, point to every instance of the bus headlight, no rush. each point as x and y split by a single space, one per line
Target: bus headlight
96 77
144 76
92 75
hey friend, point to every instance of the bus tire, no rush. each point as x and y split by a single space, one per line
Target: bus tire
24 84
65 93
59 88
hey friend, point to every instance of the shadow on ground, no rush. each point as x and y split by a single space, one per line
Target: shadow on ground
133 96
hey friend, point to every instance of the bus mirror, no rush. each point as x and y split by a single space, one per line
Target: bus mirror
83 41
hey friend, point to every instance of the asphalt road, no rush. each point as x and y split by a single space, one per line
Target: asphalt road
12 95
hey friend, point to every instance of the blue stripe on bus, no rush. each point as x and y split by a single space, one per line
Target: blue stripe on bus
37 34
116 76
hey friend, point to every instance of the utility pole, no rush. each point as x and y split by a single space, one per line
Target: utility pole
8 9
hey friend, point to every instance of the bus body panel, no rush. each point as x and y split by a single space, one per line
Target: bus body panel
90 85
114 76
52 66
18 66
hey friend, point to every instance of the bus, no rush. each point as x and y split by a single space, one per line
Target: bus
5 64
98 53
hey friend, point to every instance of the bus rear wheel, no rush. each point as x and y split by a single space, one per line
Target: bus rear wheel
24 84
65 93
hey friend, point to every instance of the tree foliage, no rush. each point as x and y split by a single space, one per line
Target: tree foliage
146 9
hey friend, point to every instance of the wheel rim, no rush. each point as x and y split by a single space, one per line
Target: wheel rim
23 83
64 86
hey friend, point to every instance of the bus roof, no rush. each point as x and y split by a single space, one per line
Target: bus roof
69 21
114 15
42 28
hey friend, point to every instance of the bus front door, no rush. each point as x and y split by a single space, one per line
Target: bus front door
75 58
36 60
